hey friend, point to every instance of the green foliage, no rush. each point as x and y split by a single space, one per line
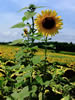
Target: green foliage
15 42
29 14
31 7
23 9
19 25
24 18
21 95
36 60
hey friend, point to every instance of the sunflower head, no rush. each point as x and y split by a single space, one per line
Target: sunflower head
48 23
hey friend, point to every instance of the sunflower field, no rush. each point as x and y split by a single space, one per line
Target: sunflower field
28 72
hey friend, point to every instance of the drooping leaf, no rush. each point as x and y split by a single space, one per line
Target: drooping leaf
40 6
19 25
19 41
23 9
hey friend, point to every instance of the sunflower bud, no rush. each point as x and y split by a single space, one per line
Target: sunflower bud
25 32
32 7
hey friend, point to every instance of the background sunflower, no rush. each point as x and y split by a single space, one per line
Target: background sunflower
48 23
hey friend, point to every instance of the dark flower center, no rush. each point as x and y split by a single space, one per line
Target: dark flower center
48 22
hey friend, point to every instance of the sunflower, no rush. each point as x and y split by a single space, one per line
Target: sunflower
48 23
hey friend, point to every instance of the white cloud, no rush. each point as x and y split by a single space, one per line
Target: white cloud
10 35
65 35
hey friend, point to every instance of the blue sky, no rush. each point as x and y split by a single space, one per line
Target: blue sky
9 16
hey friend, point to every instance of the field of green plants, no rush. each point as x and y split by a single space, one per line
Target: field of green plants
14 77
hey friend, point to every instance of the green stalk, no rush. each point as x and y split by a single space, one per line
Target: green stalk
32 29
45 53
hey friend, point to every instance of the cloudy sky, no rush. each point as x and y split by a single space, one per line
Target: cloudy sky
9 16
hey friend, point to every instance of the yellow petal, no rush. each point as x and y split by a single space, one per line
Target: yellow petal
54 13
58 17
42 12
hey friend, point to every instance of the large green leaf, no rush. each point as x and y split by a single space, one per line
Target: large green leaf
29 14
19 25
22 94
36 59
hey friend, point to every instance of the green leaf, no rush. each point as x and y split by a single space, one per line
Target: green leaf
66 98
19 83
28 74
15 95
19 25
40 96
36 37
34 88
29 14
24 93
39 80
41 6
23 9
19 41
47 83
28 68
8 98
36 59
24 18
1 81
28 8
21 95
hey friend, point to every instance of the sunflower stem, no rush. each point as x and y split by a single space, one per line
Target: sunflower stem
45 54
32 29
